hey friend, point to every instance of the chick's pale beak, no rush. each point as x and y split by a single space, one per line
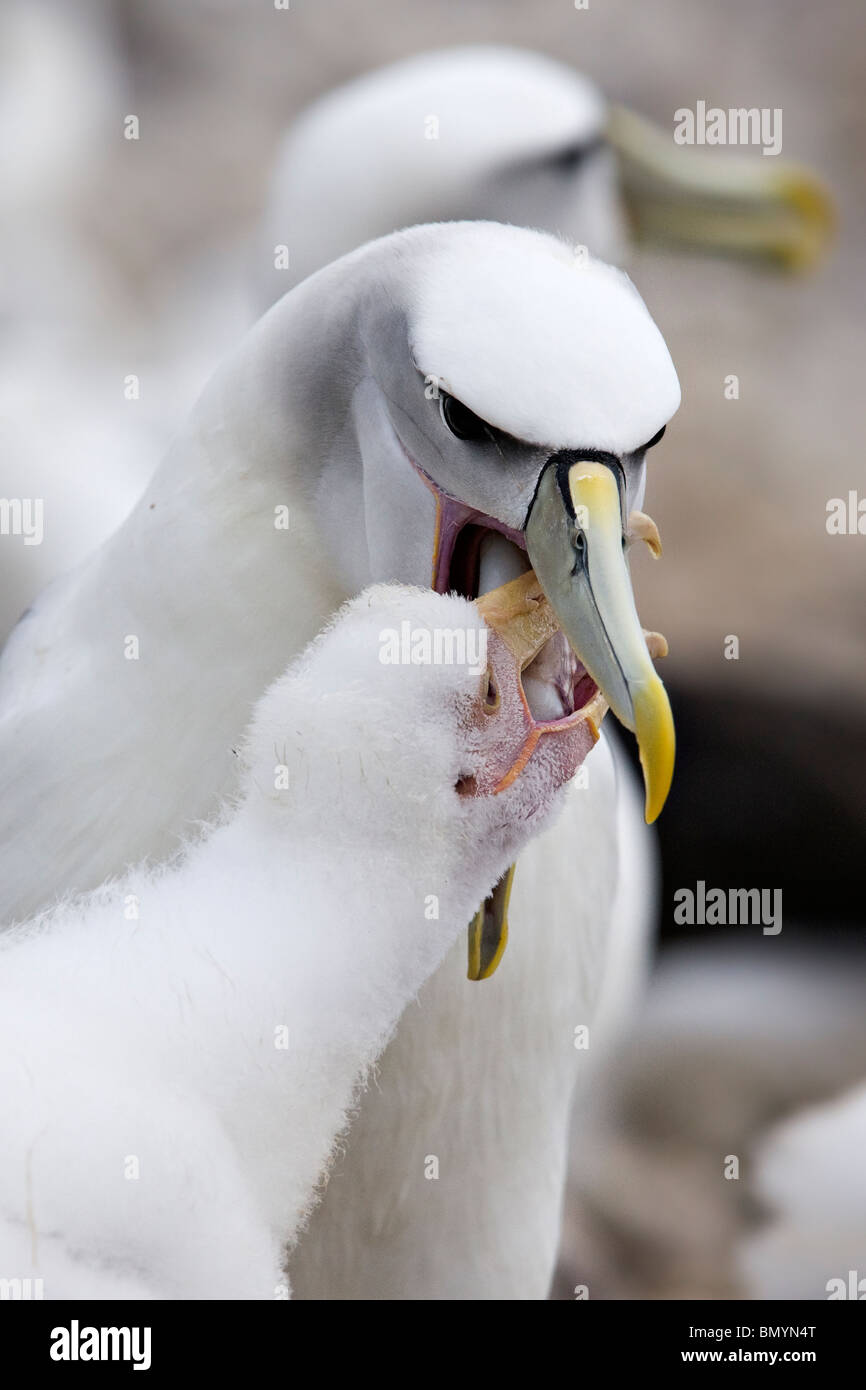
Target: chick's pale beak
574 537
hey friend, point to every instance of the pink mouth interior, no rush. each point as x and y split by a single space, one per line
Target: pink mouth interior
556 684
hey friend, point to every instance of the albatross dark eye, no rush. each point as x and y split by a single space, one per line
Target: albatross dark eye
462 421
569 159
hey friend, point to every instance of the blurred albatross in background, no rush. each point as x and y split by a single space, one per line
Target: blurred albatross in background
504 133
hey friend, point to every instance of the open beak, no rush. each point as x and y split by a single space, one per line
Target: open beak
575 538
736 205
522 625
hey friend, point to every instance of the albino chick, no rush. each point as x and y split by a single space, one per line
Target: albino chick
179 1049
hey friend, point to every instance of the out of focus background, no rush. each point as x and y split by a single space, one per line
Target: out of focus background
126 274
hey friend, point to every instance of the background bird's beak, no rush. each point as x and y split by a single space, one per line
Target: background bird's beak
575 540
712 201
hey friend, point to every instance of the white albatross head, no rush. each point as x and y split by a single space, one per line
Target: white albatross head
483 403
447 407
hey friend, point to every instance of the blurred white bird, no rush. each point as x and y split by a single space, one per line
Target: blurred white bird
504 133
735 1053
214 1036
811 1180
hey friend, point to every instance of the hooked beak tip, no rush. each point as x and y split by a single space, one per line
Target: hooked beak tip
656 740
574 536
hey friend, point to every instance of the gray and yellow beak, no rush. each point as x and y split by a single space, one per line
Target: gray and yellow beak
709 200
575 537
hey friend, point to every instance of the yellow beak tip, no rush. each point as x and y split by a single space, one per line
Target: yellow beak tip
654 730
656 795
654 805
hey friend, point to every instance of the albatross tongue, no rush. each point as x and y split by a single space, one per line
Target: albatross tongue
499 561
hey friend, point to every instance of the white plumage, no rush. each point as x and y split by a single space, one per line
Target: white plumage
179 1050
109 752
809 1179
463 338
483 131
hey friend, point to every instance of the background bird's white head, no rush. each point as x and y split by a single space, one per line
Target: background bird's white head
491 132
482 131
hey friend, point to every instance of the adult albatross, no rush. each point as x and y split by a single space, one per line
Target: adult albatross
428 408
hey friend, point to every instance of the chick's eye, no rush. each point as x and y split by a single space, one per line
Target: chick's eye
462 421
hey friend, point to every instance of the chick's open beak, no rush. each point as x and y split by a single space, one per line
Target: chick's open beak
575 540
